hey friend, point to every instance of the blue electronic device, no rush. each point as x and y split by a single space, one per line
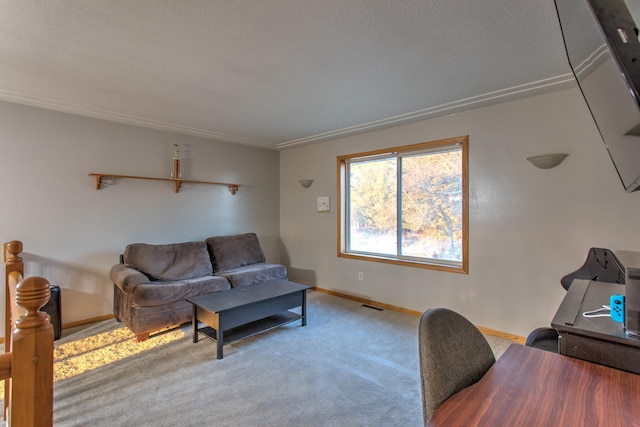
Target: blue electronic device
616 302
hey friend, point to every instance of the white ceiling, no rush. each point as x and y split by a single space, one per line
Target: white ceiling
276 73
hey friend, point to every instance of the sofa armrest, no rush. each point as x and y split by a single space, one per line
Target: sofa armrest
127 278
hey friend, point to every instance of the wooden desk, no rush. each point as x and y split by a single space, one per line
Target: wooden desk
597 339
532 387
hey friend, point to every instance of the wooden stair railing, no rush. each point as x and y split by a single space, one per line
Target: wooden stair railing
27 364
14 271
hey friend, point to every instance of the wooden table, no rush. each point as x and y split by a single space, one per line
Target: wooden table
532 387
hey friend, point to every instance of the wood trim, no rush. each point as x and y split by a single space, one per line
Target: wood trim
426 265
505 335
81 322
5 366
341 167
511 337
465 204
87 321
406 148
369 301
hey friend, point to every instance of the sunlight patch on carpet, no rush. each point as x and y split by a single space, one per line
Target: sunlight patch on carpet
86 354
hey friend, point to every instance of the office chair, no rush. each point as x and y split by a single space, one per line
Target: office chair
453 355
601 265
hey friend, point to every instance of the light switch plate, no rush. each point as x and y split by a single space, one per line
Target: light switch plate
323 204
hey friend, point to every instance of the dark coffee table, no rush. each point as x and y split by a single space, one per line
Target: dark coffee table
239 313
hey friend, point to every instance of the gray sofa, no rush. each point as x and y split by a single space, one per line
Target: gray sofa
152 281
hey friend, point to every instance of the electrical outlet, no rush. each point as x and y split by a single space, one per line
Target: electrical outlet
360 276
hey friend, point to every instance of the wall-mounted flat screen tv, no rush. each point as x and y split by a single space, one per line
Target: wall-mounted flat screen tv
601 40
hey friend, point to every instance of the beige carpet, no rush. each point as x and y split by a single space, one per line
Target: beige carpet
350 366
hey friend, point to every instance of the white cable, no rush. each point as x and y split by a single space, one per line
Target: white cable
597 312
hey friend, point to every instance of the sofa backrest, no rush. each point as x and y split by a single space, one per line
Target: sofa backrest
176 261
229 252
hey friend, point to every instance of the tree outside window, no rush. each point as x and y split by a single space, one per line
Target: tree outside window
406 205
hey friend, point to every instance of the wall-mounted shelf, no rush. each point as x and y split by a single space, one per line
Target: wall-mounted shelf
233 188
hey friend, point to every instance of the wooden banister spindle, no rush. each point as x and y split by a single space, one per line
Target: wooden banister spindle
13 263
5 366
32 361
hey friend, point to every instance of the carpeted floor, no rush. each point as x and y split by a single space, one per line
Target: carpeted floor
350 366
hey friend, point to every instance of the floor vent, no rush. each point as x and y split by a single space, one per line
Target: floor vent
375 308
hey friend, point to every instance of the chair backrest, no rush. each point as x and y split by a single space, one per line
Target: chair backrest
453 355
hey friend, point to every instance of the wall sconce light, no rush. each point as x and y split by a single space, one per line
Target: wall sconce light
547 161
306 183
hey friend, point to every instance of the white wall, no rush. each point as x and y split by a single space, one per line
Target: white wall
528 227
73 234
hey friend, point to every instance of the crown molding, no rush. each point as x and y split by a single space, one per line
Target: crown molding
111 116
593 61
503 95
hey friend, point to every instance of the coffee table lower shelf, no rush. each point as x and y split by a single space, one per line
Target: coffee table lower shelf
253 328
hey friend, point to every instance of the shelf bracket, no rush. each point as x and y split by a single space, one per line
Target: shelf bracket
98 181
233 188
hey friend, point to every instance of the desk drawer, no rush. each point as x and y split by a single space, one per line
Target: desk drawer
607 353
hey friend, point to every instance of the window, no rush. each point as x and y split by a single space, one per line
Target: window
406 205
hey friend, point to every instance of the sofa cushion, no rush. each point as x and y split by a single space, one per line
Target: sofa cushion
254 273
158 293
229 252
176 261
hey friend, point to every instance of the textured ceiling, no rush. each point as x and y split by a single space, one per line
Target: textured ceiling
276 73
